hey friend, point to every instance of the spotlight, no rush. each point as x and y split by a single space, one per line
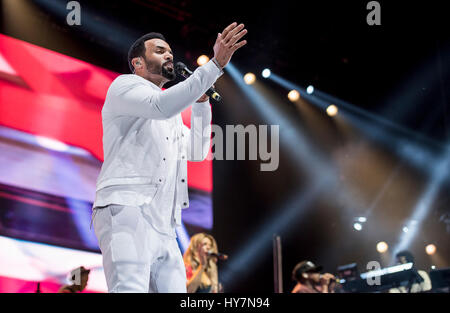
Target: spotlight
405 229
382 247
249 78
430 249
362 219
266 73
357 226
309 89
293 95
433 267
202 60
332 110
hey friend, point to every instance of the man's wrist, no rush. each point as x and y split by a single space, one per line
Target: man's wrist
217 64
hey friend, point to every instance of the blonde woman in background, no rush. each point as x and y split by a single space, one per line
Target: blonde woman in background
201 268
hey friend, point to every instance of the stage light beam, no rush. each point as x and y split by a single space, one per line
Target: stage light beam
309 89
322 175
425 201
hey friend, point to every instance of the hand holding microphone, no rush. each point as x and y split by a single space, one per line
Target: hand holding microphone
182 69
218 255
327 278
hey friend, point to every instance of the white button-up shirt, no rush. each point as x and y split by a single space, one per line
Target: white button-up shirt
146 145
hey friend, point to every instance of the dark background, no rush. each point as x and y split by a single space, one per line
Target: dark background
402 64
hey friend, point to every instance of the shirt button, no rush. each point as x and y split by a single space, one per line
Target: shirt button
182 180
184 203
167 138
160 180
164 159
182 156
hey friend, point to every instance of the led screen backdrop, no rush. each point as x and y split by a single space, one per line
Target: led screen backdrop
50 157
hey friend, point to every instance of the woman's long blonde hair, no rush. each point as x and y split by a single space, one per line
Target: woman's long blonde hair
191 257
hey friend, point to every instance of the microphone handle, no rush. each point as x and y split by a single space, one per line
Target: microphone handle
211 92
334 279
219 255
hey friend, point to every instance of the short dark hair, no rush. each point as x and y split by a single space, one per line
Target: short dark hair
408 256
138 47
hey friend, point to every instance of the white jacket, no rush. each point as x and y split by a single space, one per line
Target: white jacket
145 143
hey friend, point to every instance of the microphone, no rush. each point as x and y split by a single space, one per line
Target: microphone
332 279
220 256
181 68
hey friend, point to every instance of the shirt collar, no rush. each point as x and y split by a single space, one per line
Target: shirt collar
147 82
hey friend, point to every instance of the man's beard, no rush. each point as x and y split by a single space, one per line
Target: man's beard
161 70
170 75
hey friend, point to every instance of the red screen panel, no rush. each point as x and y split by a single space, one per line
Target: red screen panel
46 93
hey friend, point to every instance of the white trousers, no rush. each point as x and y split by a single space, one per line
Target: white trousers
136 258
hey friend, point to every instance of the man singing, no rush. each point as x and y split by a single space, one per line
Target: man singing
142 186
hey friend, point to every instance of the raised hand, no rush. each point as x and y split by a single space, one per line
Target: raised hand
227 43
326 278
